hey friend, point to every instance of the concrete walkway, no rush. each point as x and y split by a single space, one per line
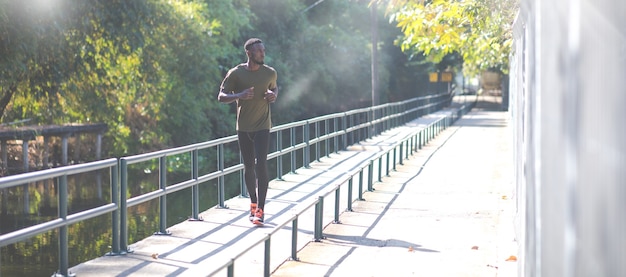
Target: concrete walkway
448 211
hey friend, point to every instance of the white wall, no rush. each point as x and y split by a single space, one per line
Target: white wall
568 103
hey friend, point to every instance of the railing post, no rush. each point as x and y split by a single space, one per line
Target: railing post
220 179
317 144
434 130
361 185
163 198
386 112
294 239
337 194
397 120
326 142
431 133
369 117
345 133
266 267
380 168
395 150
123 206
230 271
115 216
442 125
279 159
349 208
438 127
401 152
63 240
351 133
419 142
387 165
292 140
408 148
335 138
370 176
195 193
306 155
319 219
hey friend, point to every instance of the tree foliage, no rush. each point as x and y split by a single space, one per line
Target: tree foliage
479 30
143 67
151 69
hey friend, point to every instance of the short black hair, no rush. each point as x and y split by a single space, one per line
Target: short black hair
251 42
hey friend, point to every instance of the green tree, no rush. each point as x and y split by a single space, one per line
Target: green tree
150 69
479 30
33 58
147 68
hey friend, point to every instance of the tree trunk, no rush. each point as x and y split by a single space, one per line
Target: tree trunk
7 95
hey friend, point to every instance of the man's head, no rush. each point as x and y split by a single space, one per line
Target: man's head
255 50
249 43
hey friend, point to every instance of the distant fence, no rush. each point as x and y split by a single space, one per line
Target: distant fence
309 139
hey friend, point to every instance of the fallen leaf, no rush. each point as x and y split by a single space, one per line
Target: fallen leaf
504 197
511 259
410 248
155 256
474 247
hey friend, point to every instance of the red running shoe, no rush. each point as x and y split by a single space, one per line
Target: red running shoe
258 217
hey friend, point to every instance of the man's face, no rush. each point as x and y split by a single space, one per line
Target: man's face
256 54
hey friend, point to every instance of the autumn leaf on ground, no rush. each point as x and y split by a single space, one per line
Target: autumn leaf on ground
474 247
511 259
155 256
410 248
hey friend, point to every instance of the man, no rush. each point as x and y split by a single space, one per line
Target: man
253 86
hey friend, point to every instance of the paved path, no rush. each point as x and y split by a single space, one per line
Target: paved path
448 211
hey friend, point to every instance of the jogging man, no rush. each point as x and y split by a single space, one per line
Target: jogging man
253 85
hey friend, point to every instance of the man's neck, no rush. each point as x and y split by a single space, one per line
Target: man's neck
252 66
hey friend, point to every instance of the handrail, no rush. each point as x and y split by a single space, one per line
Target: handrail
351 126
63 220
411 142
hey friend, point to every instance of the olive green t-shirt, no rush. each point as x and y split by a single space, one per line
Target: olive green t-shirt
253 114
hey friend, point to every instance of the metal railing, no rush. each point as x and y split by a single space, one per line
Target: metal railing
391 157
64 219
315 137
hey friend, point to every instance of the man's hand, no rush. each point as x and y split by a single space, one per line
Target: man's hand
270 96
246 94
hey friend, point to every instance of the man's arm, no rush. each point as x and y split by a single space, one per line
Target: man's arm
224 97
271 94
